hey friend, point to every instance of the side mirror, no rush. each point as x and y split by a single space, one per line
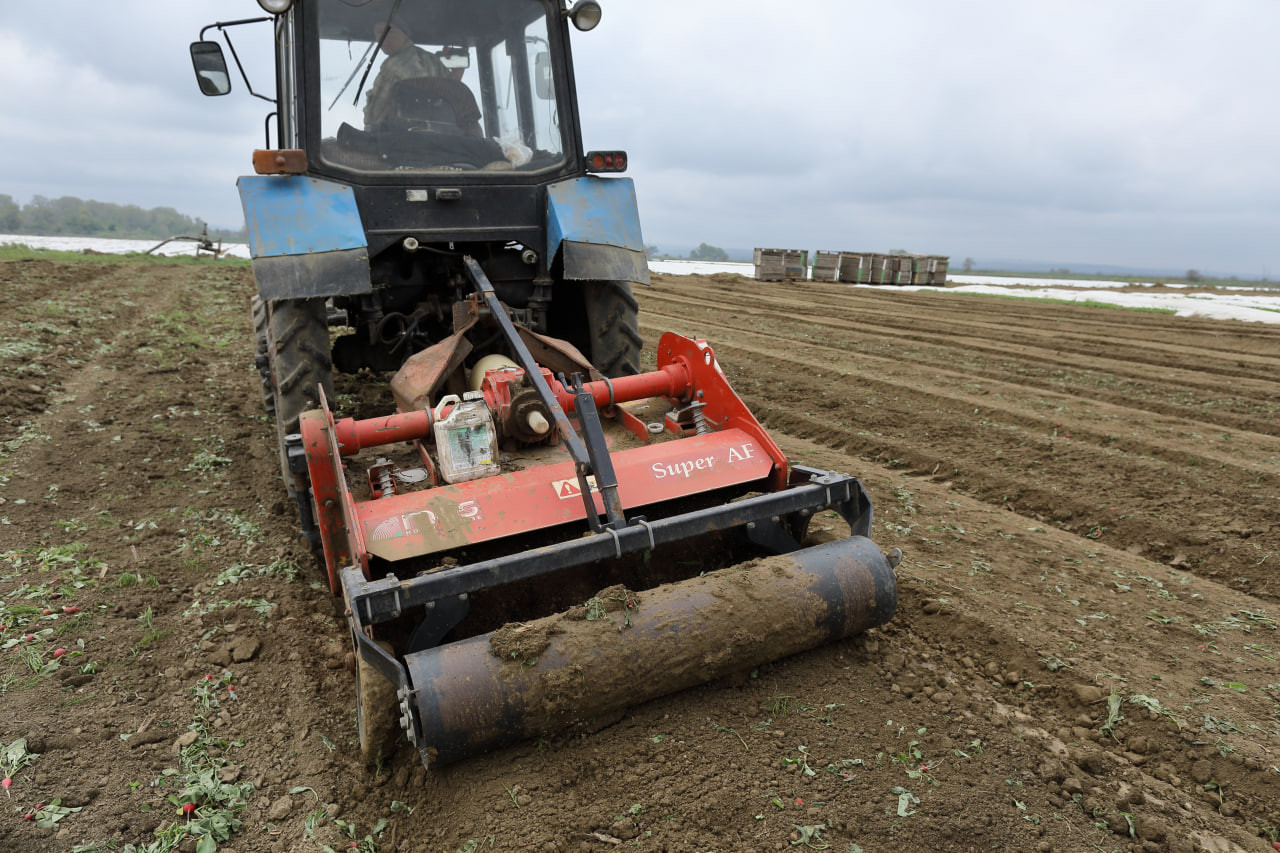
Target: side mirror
211 67
542 82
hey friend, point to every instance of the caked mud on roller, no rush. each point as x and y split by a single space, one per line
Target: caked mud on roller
673 637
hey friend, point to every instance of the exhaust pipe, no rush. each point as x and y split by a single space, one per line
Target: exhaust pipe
566 670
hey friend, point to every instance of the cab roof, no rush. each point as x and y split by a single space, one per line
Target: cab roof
461 22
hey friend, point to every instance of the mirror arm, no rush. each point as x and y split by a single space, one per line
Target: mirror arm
221 27
266 130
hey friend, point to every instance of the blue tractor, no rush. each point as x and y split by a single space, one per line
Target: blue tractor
409 135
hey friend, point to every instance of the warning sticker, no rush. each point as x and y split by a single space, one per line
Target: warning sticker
566 489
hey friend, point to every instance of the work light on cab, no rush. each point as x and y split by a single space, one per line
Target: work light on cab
585 14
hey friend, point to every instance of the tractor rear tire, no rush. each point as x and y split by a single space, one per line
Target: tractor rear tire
298 350
614 328
600 318
299 364
258 311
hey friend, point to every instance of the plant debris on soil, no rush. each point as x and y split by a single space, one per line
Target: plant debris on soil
1084 655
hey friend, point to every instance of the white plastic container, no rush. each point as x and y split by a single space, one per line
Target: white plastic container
466 441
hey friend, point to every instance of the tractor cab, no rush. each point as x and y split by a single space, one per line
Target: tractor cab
435 88
417 86
361 83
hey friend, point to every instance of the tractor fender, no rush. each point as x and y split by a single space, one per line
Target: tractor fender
594 224
305 237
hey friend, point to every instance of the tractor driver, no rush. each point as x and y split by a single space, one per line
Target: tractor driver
404 60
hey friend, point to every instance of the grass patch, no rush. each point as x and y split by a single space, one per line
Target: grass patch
1207 282
203 806
148 620
1084 303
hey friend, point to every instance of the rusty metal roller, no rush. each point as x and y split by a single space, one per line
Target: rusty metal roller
569 670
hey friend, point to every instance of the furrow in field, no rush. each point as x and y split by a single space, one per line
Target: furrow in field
1090 490
1052 611
1033 317
1094 467
1223 386
1042 413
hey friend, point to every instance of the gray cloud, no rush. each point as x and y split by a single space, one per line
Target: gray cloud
1136 133
1133 133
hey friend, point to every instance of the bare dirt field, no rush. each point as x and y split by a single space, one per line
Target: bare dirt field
1085 655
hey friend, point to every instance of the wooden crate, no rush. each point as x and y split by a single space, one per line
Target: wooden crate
826 266
940 270
902 266
768 264
880 270
922 268
796 264
855 267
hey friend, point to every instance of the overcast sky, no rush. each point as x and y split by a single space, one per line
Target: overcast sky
1142 134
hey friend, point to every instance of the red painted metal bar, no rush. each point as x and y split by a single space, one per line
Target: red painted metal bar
353 435
672 380
324 478
342 538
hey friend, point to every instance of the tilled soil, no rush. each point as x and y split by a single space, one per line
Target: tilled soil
1084 657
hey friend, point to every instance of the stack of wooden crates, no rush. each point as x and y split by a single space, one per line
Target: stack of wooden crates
929 269
851 267
781 264
874 268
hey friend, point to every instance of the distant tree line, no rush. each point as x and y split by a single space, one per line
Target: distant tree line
76 217
704 252
708 253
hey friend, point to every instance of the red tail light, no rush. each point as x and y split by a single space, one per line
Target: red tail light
606 161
